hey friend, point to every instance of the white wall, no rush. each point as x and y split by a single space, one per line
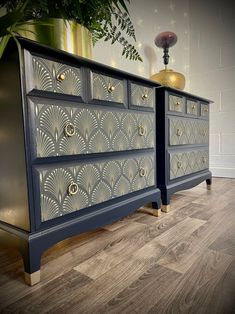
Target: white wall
151 17
204 53
212 74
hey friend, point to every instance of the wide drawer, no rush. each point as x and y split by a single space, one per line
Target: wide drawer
142 96
187 162
64 130
46 75
108 88
64 190
184 131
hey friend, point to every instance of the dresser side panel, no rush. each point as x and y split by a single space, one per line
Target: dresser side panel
14 208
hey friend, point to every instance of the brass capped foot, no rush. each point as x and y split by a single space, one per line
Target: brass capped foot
166 208
32 279
151 211
208 187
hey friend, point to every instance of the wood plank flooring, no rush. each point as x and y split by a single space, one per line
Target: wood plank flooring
180 262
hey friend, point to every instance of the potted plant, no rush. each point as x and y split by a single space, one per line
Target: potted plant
104 19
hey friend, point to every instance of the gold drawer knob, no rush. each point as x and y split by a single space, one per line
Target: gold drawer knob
142 172
142 130
193 107
144 96
60 77
111 88
206 109
69 130
179 164
72 189
178 103
179 132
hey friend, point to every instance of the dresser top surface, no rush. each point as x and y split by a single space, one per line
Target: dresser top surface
183 93
43 50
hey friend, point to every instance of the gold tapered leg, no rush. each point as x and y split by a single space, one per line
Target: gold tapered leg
208 187
151 211
166 208
32 279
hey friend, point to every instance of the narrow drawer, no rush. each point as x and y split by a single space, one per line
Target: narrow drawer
187 162
192 107
68 189
204 110
64 130
46 75
185 131
142 96
176 103
108 88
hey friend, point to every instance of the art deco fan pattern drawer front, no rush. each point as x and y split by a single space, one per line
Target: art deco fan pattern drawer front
108 88
142 96
176 103
192 107
188 162
205 111
188 131
63 130
67 189
51 76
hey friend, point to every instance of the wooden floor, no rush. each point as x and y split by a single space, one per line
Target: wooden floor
181 262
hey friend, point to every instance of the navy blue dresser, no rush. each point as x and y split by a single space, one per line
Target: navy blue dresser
78 148
182 142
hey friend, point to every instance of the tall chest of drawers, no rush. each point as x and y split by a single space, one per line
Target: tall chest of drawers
77 148
182 142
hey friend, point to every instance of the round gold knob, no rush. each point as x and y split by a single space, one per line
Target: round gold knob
72 189
141 130
179 164
69 130
178 103
142 172
144 96
179 132
206 110
193 107
111 88
60 77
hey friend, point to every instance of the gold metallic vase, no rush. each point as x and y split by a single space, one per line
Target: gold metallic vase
57 33
170 78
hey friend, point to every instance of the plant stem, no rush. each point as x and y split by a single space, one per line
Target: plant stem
3 44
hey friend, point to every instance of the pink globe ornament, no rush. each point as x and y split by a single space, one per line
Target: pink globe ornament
165 40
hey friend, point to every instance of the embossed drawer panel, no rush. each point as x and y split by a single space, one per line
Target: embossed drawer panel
50 76
205 110
108 88
62 130
142 96
69 189
188 162
192 107
176 103
188 131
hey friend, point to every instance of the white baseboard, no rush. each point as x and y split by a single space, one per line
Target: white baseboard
223 172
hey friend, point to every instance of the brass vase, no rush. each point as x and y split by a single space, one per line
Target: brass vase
170 78
57 33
